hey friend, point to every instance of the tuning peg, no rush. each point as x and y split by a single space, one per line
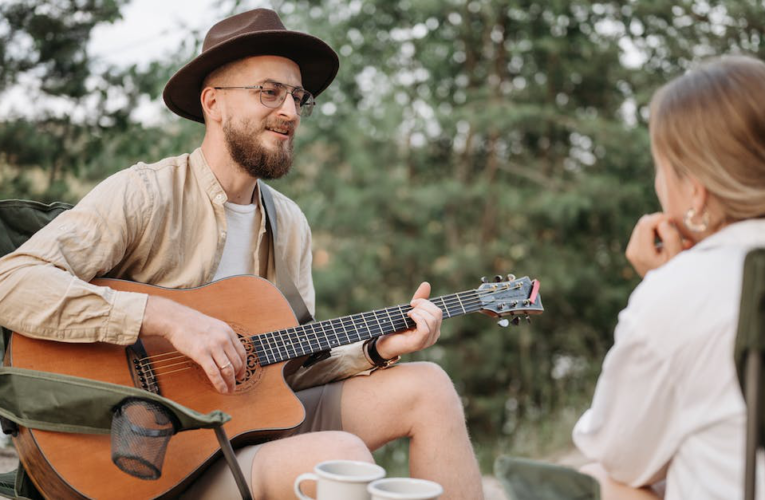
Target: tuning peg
510 277
498 278
484 279
528 319
504 323
517 320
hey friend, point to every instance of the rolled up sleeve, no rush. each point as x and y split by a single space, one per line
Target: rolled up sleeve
44 289
630 428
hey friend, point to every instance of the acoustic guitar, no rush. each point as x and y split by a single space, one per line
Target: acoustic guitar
262 407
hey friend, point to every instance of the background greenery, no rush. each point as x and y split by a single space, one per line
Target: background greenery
460 139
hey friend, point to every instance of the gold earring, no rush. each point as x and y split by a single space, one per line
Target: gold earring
696 227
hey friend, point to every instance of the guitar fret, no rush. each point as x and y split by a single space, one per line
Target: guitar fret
392 324
317 346
345 330
461 304
300 340
379 325
260 350
270 348
288 344
445 308
334 331
401 312
365 324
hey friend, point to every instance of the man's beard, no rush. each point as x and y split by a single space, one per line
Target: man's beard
244 145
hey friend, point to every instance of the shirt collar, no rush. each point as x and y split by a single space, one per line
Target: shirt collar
207 178
749 233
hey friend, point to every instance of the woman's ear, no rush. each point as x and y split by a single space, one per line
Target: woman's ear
698 194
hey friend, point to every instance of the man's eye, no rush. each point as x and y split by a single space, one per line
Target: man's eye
270 92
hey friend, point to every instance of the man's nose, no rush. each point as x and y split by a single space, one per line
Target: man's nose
289 108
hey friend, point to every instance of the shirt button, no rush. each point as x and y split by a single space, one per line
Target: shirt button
223 234
218 197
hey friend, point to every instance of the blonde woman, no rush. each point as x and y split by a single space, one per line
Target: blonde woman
667 407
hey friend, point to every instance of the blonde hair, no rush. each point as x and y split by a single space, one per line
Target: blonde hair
710 124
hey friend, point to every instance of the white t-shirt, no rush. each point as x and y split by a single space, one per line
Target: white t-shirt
241 234
668 399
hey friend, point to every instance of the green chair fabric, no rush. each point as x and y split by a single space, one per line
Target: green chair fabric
62 403
749 351
525 479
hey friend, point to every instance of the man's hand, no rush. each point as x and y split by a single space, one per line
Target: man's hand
644 253
209 342
427 318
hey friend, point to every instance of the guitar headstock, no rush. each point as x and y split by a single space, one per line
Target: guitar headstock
510 296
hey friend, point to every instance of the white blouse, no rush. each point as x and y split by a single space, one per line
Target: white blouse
668 403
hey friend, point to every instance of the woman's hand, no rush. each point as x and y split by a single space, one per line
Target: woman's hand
644 252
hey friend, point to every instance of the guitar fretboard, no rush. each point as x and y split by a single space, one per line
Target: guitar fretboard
283 345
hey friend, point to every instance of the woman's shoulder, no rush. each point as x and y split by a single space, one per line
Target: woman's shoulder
695 294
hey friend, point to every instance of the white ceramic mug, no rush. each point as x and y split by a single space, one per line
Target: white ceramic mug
340 480
404 488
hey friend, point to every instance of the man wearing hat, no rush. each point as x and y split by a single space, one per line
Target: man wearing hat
192 219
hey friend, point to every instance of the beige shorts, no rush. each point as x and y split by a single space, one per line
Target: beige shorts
322 413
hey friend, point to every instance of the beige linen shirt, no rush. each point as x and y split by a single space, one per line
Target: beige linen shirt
163 224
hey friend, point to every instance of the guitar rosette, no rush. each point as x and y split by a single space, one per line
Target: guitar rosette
141 429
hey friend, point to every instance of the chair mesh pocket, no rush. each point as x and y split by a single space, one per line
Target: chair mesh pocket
141 430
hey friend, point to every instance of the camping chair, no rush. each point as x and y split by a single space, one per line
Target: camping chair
525 479
750 346
55 402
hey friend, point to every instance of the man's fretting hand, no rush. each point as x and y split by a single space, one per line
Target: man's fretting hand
207 341
427 318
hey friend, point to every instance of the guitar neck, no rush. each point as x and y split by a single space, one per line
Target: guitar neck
283 345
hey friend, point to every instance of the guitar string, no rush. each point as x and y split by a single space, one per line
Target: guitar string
453 301
283 347
188 364
344 322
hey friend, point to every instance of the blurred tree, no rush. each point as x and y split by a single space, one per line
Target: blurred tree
461 138
479 137
81 122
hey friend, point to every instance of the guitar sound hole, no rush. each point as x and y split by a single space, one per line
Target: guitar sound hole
253 371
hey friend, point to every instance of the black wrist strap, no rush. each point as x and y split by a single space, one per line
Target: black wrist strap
374 355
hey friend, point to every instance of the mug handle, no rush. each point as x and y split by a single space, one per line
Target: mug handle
307 476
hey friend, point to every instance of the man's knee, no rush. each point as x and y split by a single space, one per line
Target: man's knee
343 445
306 450
433 387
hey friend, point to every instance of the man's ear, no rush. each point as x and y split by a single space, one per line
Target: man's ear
210 104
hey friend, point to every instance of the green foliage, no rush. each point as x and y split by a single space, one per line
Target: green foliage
462 138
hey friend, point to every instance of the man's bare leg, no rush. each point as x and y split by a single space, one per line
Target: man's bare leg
416 401
278 463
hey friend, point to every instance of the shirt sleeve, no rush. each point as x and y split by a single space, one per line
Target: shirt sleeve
44 289
344 362
631 428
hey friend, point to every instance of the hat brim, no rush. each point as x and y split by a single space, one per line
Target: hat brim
317 61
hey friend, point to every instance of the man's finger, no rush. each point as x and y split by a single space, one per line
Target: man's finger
212 371
423 292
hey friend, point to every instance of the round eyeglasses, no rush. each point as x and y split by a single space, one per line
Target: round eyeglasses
273 94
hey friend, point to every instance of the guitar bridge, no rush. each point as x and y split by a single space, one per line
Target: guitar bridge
141 369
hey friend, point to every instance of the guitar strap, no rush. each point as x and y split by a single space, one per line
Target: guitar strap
283 279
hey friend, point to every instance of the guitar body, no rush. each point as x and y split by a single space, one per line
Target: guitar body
66 465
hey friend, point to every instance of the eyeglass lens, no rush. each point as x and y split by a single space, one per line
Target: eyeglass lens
273 94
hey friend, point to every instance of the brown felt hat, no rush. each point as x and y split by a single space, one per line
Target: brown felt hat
257 32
